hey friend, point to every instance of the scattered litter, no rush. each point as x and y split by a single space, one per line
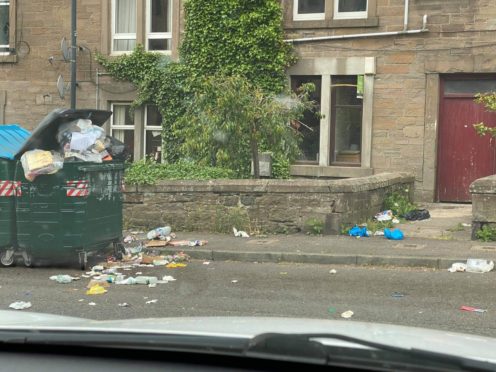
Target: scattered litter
96 290
379 233
472 309
331 310
134 250
127 281
151 301
152 285
240 234
63 279
358 231
347 314
129 239
479 266
174 265
458 267
384 216
283 273
97 268
417 215
206 262
396 234
333 271
124 304
86 276
81 300
101 282
397 295
156 243
139 273
91 303
395 220
466 224
234 281
159 233
199 243
168 278
179 243
146 280
20 305
160 262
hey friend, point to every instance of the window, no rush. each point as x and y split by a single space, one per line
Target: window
350 9
159 25
308 10
153 133
4 27
122 125
346 120
123 25
309 126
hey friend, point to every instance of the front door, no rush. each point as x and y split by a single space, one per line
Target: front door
463 156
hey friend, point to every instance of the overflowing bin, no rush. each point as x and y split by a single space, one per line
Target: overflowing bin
77 207
11 139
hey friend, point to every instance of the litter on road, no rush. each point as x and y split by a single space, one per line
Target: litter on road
63 279
347 314
472 309
175 265
473 265
458 267
96 290
151 302
396 234
124 304
91 304
398 295
20 305
333 271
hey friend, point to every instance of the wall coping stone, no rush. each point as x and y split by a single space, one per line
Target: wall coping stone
486 185
349 185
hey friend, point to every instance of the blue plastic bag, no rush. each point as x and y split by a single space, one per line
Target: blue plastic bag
396 234
358 231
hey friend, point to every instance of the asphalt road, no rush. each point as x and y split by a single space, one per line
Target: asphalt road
431 298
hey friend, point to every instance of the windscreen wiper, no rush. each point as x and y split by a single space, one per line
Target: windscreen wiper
306 348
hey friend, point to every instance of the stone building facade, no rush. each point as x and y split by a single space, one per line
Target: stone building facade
384 71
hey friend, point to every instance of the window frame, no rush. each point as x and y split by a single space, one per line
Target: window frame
309 16
121 126
158 35
121 36
147 128
350 15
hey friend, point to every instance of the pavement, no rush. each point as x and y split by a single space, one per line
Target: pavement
434 243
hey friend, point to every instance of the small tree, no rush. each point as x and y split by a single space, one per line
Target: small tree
231 120
489 101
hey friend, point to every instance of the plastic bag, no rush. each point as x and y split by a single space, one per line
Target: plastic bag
36 162
384 216
396 234
417 215
358 231
479 266
117 149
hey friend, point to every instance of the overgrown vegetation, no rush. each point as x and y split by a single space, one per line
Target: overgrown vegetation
399 203
148 172
227 43
489 102
314 226
486 234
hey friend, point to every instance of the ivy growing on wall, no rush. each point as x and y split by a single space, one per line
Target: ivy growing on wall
222 38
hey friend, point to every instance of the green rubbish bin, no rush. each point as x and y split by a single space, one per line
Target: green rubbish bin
11 139
64 216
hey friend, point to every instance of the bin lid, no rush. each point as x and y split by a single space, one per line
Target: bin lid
44 135
12 137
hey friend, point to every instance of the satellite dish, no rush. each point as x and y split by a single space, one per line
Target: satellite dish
66 53
61 86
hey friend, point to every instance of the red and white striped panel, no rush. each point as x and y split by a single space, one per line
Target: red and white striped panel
10 188
77 188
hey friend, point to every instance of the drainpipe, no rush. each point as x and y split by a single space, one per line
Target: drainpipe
375 34
73 52
405 22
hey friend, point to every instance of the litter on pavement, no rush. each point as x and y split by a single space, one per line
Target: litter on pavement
333 271
358 231
124 304
20 305
458 267
396 234
240 233
397 295
347 314
417 215
91 304
151 302
384 216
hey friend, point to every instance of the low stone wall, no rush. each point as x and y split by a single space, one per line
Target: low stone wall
276 206
483 193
